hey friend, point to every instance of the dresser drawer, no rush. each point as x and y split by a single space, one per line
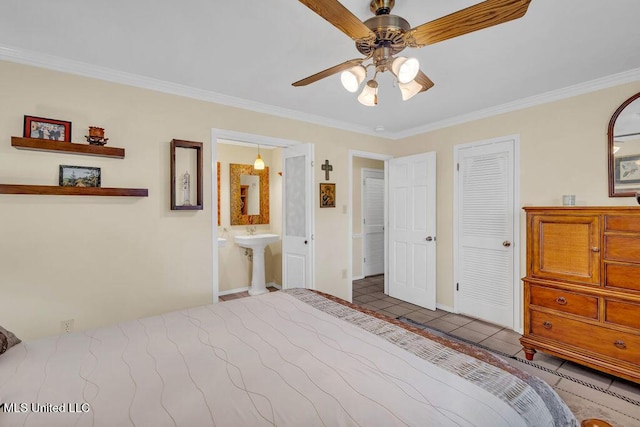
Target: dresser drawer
622 248
598 339
567 302
622 313
622 223
622 276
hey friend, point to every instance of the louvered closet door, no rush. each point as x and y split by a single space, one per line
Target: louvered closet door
485 264
373 221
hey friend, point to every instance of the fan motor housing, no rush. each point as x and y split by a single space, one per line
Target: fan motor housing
390 32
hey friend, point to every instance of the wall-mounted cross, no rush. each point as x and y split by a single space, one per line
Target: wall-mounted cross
326 167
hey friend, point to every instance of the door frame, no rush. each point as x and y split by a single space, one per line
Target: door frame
517 283
247 138
374 156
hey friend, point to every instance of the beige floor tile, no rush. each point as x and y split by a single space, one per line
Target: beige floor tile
457 319
410 306
380 304
398 310
442 325
507 335
364 299
420 316
468 334
378 295
388 314
483 327
502 346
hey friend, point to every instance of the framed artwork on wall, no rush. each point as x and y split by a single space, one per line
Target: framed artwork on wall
79 176
41 128
627 169
327 195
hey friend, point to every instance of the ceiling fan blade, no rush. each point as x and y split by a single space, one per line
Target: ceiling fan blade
328 72
340 17
424 81
473 18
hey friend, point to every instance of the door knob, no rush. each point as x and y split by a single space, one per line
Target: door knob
506 243
305 242
429 238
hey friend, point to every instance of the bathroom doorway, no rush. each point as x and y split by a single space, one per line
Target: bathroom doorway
231 272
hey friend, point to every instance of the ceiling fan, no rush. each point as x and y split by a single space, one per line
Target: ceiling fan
381 37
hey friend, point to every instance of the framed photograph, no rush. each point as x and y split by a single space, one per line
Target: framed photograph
79 176
41 128
327 195
186 175
627 169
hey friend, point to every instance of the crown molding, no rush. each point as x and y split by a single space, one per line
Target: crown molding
70 66
56 63
544 98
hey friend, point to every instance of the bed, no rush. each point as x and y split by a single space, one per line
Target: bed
287 358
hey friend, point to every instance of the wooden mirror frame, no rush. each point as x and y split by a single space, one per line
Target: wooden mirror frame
237 218
610 155
179 143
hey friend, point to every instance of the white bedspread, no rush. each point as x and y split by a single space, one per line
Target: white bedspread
267 360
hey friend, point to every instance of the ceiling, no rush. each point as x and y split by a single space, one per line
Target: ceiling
247 53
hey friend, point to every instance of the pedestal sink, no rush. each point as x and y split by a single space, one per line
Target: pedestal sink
257 243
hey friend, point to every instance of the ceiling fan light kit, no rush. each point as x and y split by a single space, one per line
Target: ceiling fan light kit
381 37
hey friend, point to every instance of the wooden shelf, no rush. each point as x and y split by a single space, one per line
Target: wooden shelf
52 190
67 147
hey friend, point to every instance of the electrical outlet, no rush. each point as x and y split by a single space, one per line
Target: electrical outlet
66 326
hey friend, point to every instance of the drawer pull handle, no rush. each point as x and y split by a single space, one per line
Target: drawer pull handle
620 344
546 324
594 249
561 300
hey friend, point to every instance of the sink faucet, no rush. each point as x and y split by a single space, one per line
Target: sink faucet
251 230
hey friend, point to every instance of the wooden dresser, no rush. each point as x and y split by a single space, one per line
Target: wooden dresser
582 290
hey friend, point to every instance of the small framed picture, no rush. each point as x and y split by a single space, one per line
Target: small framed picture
41 128
327 195
79 176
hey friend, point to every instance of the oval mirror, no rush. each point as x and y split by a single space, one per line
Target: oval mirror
624 149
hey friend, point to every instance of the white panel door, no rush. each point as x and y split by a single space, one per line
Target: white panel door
412 226
485 231
373 221
297 245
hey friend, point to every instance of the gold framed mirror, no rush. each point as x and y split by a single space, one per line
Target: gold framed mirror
249 195
623 145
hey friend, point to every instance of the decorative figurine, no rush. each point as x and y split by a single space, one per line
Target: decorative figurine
96 136
186 189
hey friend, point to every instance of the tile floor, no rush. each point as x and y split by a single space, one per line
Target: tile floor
368 293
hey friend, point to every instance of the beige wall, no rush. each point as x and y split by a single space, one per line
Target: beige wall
234 268
563 148
359 163
100 260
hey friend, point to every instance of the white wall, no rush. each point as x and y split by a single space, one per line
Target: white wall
100 260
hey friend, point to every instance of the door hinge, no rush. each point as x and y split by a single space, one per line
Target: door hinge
365 259
312 164
457 286
364 220
457 166
312 237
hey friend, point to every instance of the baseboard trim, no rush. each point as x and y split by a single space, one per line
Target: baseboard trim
275 285
357 278
233 291
444 308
